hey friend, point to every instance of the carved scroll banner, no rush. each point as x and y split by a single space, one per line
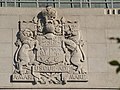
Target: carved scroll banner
49 53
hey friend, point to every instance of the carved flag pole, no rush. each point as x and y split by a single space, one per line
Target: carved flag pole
63 24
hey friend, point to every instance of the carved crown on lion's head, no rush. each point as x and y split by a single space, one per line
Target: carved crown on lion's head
49 13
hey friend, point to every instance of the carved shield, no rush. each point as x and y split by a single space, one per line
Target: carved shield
50 51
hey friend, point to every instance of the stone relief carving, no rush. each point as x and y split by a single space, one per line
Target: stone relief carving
51 53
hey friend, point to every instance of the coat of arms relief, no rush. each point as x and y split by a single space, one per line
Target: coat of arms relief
51 53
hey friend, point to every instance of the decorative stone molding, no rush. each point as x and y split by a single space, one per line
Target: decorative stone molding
49 53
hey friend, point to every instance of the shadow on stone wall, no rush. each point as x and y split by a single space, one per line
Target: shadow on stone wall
115 62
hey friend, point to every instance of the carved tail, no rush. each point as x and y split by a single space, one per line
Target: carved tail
16 60
83 54
80 47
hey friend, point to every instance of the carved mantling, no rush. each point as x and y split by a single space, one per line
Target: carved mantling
50 52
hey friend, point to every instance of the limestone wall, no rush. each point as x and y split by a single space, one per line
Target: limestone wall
96 28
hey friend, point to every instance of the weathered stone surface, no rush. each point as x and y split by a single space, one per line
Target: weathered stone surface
9 22
102 66
49 50
6 48
97 50
6 35
96 36
96 29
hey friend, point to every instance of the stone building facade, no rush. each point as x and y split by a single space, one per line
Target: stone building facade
97 28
